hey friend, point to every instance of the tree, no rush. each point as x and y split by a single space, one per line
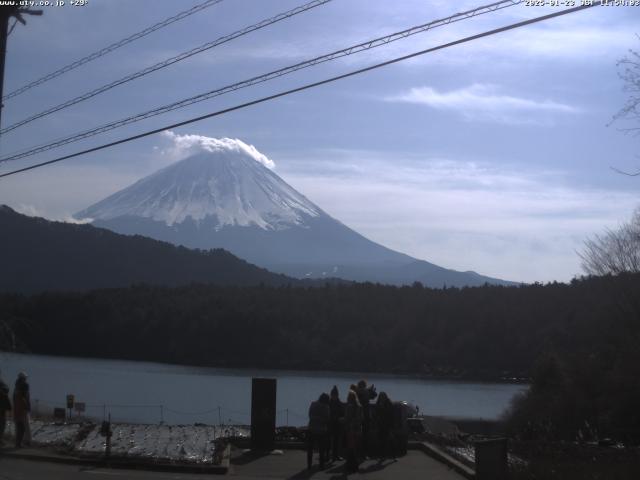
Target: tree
629 72
615 251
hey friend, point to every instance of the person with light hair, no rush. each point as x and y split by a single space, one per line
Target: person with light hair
336 419
353 431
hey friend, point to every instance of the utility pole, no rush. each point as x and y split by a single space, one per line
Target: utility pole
6 12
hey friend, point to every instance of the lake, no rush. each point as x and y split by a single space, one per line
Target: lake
144 392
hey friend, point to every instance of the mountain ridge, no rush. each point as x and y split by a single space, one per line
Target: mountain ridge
224 196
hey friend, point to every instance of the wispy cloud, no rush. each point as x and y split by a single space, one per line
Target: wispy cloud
500 220
484 102
33 211
587 36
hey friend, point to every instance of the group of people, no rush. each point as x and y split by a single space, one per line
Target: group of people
348 428
21 409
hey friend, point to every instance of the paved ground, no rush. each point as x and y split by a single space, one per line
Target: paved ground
13 469
290 465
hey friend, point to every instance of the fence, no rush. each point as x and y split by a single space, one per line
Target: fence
163 414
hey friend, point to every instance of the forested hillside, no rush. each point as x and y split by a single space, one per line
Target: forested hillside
38 255
481 332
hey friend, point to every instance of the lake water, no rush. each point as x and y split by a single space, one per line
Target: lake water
144 392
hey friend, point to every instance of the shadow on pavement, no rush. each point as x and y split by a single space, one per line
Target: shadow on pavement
244 458
339 471
305 473
375 467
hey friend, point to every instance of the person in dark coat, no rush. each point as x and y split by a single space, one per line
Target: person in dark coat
336 419
5 406
384 422
21 407
365 393
353 430
318 429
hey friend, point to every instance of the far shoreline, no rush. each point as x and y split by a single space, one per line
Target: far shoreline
292 372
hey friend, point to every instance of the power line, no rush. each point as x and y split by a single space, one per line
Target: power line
170 61
370 44
112 47
306 87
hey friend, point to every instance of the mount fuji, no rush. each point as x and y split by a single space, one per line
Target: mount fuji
225 195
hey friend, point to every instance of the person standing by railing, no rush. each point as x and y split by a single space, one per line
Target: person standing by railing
336 424
21 409
384 421
365 394
5 406
318 429
353 430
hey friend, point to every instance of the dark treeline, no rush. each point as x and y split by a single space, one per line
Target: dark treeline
481 332
586 388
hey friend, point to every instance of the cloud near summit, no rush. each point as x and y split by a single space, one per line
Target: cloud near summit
186 145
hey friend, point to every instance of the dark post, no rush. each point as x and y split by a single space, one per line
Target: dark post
491 459
263 413
105 431
70 403
5 14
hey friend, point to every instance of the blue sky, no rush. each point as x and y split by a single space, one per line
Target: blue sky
492 156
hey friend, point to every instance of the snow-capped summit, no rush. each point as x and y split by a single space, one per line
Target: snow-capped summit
226 195
227 181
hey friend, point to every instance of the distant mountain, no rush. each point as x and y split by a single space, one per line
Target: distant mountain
37 254
225 197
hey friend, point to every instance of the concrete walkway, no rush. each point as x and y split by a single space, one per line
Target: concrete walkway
37 464
292 465
17 469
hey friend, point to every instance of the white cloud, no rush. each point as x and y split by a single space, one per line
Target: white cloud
483 102
28 210
572 38
33 211
185 145
597 38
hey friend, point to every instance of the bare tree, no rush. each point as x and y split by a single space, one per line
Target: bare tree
615 251
629 73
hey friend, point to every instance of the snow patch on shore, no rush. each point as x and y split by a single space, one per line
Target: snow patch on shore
156 443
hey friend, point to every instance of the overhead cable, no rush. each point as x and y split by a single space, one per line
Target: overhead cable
368 45
170 61
111 48
306 87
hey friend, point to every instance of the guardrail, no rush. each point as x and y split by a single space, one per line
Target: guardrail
161 414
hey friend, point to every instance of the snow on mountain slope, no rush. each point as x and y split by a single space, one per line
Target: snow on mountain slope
227 179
